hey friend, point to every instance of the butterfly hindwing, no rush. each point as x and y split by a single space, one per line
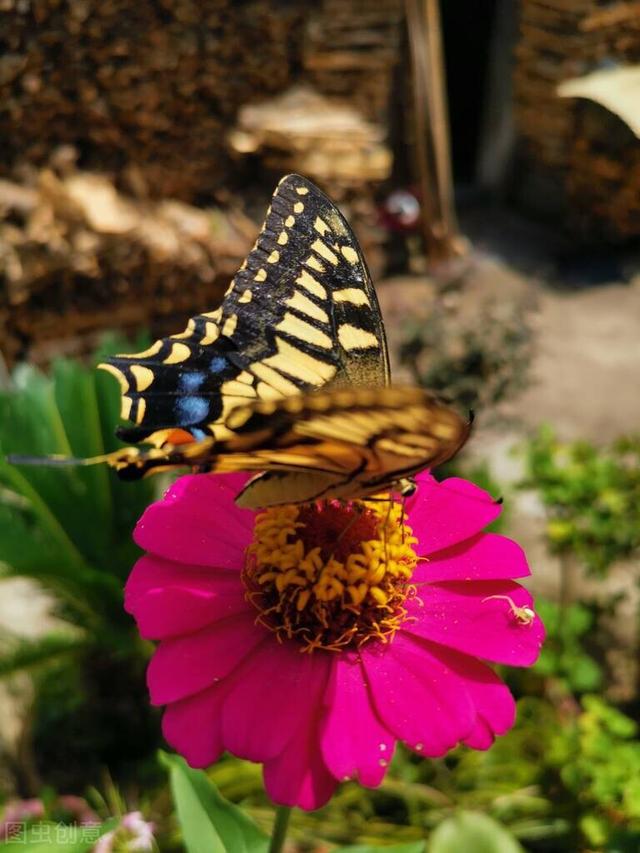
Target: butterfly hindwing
300 313
329 444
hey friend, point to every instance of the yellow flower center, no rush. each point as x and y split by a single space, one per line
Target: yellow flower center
331 575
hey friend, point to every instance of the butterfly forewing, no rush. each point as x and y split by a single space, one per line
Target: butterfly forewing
301 313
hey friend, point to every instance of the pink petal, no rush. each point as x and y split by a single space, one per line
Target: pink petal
355 744
495 706
167 599
468 617
193 728
418 697
299 776
185 665
443 514
486 556
265 705
197 522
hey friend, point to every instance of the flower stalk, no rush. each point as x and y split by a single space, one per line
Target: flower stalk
280 826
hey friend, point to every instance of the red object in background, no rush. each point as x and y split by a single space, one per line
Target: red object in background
401 211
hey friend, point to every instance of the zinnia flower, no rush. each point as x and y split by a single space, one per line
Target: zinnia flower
312 638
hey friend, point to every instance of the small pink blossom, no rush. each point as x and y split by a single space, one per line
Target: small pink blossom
134 833
18 813
409 665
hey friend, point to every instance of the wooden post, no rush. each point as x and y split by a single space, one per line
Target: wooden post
431 127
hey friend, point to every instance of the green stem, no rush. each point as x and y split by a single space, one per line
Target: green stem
280 824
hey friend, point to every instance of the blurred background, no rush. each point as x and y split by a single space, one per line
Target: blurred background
487 155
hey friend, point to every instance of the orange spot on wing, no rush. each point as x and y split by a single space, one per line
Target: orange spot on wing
179 436
169 436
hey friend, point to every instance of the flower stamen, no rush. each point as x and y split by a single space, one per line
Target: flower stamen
331 575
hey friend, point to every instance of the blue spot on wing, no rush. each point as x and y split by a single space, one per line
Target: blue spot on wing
192 381
218 364
190 410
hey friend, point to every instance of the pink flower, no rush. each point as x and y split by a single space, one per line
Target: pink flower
18 814
133 833
312 638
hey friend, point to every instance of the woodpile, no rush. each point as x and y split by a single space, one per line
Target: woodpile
77 257
144 91
323 138
147 93
352 48
575 156
114 117
603 175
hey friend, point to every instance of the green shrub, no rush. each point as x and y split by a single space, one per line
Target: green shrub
475 362
592 496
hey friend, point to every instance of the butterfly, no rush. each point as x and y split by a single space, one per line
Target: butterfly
288 377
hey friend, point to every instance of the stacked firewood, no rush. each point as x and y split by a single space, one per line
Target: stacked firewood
581 150
145 91
603 175
323 138
351 49
77 257
114 116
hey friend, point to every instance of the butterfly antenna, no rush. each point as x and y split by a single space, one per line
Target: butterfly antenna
53 461
357 514
403 515
386 525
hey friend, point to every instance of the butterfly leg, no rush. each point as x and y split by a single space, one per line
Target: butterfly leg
403 515
386 525
356 515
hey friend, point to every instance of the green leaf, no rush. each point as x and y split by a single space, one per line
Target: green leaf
47 837
27 653
472 831
209 823
75 395
411 847
19 482
68 528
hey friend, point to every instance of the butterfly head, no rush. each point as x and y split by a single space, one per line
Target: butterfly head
407 487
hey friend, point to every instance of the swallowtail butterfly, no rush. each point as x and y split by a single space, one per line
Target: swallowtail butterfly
288 377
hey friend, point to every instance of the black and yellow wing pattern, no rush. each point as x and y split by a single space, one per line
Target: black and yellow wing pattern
335 443
289 377
301 313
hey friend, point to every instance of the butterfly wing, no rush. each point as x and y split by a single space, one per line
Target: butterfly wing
344 443
300 313
362 442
